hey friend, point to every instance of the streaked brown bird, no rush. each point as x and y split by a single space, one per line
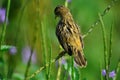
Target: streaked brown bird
69 36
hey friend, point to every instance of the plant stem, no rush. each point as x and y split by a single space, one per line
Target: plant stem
43 30
72 66
2 39
117 70
107 9
46 65
59 70
105 46
20 15
5 24
34 42
49 67
110 46
66 3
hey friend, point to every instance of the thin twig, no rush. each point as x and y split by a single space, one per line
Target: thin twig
41 68
107 9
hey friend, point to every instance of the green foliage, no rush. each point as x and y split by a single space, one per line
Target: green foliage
5 47
33 24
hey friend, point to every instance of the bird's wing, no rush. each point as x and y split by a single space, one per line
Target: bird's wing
61 35
75 38
80 36
69 36
76 44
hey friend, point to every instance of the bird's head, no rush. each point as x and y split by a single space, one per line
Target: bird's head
61 11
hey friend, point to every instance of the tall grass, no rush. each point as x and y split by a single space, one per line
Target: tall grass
34 41
59 70
2 39
19 19
105 46
110 47
106 55
50 58
5 23
106 10
74 73
72 67
44 45
117 70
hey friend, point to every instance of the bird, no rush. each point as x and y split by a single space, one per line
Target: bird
69 35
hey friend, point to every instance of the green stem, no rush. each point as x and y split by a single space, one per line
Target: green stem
110 46
5 23
101 77
72 66
107 9
49 67
2 40
20 15
46 65
59 70
66 3
28 64
117 70
44 45
33 42
105 46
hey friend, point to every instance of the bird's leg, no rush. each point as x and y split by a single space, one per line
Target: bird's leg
60 55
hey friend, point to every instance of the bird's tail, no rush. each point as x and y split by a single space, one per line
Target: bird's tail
80 59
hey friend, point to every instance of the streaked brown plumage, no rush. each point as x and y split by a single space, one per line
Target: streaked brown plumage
69 35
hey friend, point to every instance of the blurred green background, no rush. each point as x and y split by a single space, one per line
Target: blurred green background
28 18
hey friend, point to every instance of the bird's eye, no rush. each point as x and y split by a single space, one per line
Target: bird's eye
57 11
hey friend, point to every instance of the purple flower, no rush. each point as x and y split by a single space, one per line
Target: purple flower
62 62
26 51
103 72
112 74
2 15
13 50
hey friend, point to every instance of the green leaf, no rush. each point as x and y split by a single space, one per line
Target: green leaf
77 75
5 47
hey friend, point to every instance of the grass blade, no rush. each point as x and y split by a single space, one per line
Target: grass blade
107 9
105 46
34 41
117 70
110 46
5 23
49 67
59 70
72 66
